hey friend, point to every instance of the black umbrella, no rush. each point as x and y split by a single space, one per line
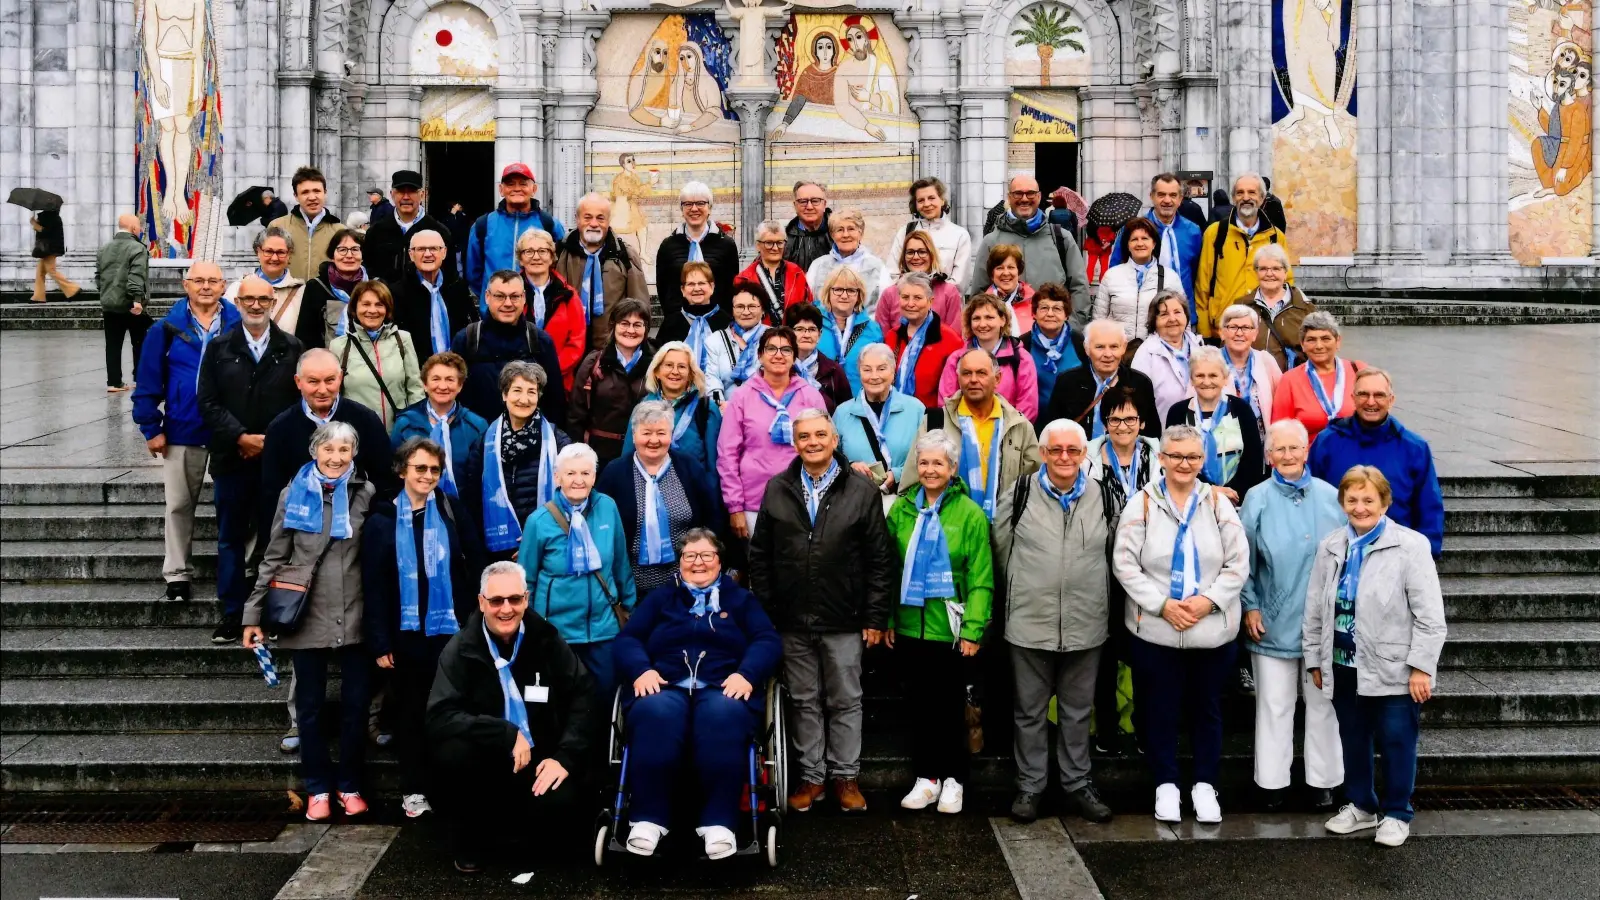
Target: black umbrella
36 199
247 207
1112 210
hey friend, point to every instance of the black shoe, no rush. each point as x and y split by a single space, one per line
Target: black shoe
466 865
1107 745
1272 800
227 633
1086 802
179 590
1025 808
1322 799
1247 682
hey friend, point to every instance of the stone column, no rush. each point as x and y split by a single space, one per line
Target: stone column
519 130
1167 94
932 68
294 124
1388 141
326 151
250 119
1481 181
1111 145
1244 42
936 134
355 171
981 173
752 105
572 78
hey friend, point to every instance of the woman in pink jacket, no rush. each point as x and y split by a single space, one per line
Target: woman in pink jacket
918 254
757 439
986 323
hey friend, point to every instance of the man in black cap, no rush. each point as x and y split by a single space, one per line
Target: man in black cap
384 252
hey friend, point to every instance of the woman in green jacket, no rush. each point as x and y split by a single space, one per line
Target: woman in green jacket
946 591
381 371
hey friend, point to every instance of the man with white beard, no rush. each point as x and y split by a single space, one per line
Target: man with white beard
1227 254
599 266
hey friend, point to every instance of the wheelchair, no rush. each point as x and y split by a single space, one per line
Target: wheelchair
766 791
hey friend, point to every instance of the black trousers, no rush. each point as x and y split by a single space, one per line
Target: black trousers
935 677
118 325
1107 722
416 660
481 800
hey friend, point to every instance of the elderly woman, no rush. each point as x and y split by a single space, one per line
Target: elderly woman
324 306
1285 518
420 559
847 227
846 326
1164 355
513 469
272 248
1324 388
1374 628
697 651
1056 349
698 318
732 356
580 577
610 381
1233 463
1281 306
1253 374
1005 265
986 326
1128 289
441 419
822 373
877 426
315 548
1180 555
923 342
660 494
552 304
384 377
783 284
946 592
919 256
757 439
696 238
672 376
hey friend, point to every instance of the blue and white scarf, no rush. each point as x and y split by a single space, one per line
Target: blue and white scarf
439 433
841 335
1033 223
695 253
853 260
782 430
1101 385
515 712
1212 469
436 564
879 422
302 508
343 324
1071 495
629 362
1127 477
699 334
927 574
813 489
316 419
438 318
655 545
536 301
807 368
972 464
1169 243
906 378
1244 383
1185 579
745 365
501 530
1330 406
707 599
583 556
274 282
1139 272
1344 631
1301 484
593 288
685 415
1053 349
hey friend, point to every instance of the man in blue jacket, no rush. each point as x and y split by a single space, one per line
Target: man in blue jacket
1372 437
492 244
166 407
1179 249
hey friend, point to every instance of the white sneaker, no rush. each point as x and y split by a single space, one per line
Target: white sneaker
923 794
1393 832
1167 805
643 838
719 839
1350 819
950 796
415 805
1207 811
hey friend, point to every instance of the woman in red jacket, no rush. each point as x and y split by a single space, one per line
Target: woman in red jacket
783 283
922 343
552 303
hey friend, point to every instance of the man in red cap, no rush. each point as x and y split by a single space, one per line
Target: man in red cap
491 246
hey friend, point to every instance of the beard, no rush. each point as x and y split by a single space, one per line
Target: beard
860 51
594 235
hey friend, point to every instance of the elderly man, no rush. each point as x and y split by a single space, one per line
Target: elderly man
121 273
273 247
310 226
1373 437
507 334
599 266
1179 247
246 380
1050 534
1077 393
167 410
997 442
806 235
1227 250
508 723
1050 252
783 284
430 304
492 242
824 566
697 239
385 251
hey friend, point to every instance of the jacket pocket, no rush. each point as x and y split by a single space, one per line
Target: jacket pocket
1388 662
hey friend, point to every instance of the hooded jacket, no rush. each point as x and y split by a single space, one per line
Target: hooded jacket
663 635
1402 455
1284 526
240 396
492 241
1141 559
966 534
1051 254
577 605
166 399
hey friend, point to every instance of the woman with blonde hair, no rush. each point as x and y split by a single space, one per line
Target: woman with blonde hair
919 255
675 378
848 229
846 325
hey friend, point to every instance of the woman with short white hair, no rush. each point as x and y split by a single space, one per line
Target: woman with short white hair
697 238
783 283
1281 306
675 378
1252 374
1232 441
878 425
848 228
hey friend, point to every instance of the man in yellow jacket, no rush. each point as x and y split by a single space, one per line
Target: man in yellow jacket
1227 252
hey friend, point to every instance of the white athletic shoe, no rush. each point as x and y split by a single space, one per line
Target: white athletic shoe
1207 811
1167 803
415 805
643 838
720 841
950 796
1393 832
1350 819
923 794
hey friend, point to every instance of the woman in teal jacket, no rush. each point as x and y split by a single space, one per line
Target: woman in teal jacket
847 327
878 425
946 593
575 552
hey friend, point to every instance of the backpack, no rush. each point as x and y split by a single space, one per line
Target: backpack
475 329
1221 241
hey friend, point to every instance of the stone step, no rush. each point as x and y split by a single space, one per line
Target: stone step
1389 320
117 652
1513 554
1486 697
1342 306
104 485
1522 645
74 308
133 560
104 604
1518 515
1520 598
98 522
145 705
1488 486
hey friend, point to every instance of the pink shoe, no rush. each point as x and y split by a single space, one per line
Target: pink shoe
352 803
317 808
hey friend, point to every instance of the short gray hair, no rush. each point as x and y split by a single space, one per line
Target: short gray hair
1110 325
1288 424
1271 252
1255 176
651 411
876 348
806 182
848 214
697 533
771 226
1060 425
272 231
1373 372
1210 354
695 190
1321 320
426 231
1239 310
503 567
315 354
811 412
579 452
1175 433
329 432
356 220
917 280
528 371
939 440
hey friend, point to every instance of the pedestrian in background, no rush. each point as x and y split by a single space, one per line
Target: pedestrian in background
121 274
49 243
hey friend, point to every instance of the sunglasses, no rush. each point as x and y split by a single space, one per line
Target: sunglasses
514 600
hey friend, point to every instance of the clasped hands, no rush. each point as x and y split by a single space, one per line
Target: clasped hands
1185 614
734 687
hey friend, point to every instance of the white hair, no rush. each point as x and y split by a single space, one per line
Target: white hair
332 432
426 231
651 411
937 440
1175 433
809 413
356 220
1063 425
1374 372
876 348
695 190
579 452
770 226
594 197
1271 253
1295 427
1209 354
1239 310
1256 177
1102 325
503 567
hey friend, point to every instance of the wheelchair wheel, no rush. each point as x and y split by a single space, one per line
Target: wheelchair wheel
614 732
772 846
778 744
600 841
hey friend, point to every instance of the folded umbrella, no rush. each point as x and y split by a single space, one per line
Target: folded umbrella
247 207
35 199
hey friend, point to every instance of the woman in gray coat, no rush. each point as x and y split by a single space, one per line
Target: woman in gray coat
1373 631
318 527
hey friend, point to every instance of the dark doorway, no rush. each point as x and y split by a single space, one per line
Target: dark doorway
1055 165
460 172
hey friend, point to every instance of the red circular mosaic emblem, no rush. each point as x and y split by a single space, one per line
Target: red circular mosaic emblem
444 37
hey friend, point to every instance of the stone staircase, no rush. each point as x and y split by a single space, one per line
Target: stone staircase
104 687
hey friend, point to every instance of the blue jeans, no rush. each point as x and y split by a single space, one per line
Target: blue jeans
1166 681
714 729
237 497
1390 722
310 689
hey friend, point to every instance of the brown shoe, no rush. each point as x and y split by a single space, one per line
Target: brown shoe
806 797
848 791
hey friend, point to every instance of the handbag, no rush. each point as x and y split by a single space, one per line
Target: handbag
617 609
284 609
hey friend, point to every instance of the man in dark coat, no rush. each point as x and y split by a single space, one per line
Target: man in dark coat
424 283
378 207
385 252
274 208
697 237
246 380
806 236
121 274
825 568
507 334
1077 393
508 755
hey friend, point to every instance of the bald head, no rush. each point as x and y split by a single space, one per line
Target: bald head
128 222
976 371
427 251
203 285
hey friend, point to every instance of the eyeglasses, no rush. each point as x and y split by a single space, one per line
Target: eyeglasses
205 281
811 201
538 251
1023 195
701 556
806 329
779 351
439 249
1371 395
845 291
846 229
1239 329
695 204
1192 459
254 300
502 296
749 308
421 469
514 600
772 245
272 253
347 251
703 285
1123 422
1271 269
916 251
1068 452
1292 448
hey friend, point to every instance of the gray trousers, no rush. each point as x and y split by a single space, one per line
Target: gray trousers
183 475
1069 677
824 670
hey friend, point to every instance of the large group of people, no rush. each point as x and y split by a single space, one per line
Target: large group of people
494 501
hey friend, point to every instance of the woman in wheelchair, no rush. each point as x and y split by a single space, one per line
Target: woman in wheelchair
695 652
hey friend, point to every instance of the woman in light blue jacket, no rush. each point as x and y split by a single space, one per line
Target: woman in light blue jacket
575 552
879 424
847 327
1285 518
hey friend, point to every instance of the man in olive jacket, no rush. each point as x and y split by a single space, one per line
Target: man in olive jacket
824 566
121 272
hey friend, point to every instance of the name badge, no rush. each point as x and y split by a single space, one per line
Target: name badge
536 693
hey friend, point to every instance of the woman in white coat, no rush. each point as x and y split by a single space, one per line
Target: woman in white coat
1128 288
